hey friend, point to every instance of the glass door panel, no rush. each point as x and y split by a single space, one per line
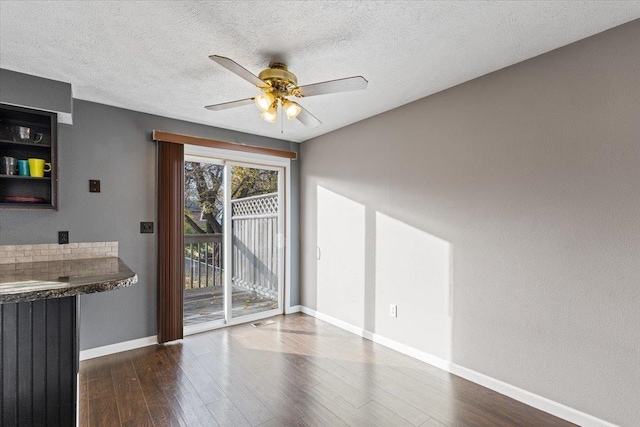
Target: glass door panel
256 235
203 238
233 262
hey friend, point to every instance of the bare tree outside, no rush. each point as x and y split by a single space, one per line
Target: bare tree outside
204 193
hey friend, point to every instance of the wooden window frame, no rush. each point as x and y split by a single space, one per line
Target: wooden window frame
176 138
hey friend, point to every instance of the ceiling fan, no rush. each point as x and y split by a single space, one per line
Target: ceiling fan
277 84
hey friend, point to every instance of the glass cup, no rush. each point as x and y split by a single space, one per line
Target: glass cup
8 165
25 134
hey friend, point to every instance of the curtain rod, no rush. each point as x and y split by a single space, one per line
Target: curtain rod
205 142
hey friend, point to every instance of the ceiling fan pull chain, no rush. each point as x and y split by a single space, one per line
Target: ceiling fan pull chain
281 120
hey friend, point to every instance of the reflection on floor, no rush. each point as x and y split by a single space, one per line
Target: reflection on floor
207 304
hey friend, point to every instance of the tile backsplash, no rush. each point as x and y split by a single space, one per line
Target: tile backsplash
10 254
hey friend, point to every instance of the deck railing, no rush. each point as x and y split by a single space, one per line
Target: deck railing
203 260
254 251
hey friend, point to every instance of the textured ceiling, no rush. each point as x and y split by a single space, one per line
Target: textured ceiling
153 56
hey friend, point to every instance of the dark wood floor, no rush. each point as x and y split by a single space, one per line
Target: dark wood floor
298 371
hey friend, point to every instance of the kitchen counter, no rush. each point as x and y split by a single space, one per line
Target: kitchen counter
40 334
31 281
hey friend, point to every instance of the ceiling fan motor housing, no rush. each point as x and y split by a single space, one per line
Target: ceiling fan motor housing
279 78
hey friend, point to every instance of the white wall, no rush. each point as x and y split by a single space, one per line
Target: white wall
502 216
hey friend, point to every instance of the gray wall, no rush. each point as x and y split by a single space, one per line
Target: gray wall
115 146
36 92
532 175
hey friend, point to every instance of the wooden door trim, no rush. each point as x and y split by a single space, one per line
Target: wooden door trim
176 138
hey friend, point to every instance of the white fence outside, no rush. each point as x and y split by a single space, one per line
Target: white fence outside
255 244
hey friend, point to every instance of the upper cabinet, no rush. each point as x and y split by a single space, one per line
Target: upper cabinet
28 158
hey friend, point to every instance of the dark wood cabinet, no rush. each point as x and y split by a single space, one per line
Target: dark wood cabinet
39 363
44 188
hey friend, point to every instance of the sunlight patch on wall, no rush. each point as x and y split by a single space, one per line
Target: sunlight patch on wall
413 271
341 253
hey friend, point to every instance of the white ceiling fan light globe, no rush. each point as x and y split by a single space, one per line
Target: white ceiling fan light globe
270 115
264 101
291 109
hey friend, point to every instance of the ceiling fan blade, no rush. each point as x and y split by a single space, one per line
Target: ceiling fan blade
227 105
334 86
238 69
308 119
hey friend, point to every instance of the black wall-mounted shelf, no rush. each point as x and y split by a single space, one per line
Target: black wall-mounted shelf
44 178
45 123
26 144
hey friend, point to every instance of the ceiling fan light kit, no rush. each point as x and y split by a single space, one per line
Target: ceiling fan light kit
291 109
271 114
277 83
264 101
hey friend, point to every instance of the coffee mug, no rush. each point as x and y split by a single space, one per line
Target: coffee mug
8 165
37 167
23 167
25 134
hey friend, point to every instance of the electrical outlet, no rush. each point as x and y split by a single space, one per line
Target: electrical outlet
393 310
94 186
63 237
146 227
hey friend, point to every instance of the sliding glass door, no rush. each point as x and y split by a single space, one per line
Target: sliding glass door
234 222
203 239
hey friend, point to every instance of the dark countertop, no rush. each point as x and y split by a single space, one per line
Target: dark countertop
30 281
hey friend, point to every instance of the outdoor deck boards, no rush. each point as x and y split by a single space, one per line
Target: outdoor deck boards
207 304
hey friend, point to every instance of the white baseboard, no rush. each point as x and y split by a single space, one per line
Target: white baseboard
292 309
531 399
409 351
336 322
106 350
542 403
92 353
